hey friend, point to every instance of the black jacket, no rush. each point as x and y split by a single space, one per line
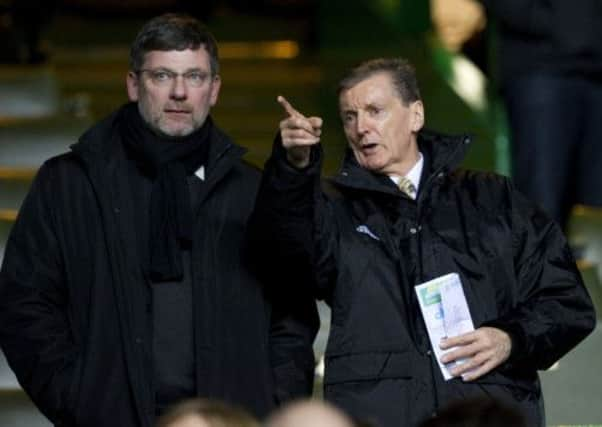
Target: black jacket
553 36
369 245
75 312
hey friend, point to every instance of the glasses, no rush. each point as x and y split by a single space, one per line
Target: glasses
163 77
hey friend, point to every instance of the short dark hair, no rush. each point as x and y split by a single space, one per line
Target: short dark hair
173 31
213 412
401 71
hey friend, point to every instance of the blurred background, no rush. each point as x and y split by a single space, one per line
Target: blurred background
63 66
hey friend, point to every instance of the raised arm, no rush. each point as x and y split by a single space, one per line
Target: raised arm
291 226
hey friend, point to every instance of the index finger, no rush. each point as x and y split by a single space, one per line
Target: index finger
288 107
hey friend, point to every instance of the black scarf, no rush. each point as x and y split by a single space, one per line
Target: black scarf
168 161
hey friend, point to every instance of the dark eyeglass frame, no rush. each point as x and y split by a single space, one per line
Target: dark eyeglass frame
166 77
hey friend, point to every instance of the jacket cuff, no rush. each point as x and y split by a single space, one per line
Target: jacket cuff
280 159
518 349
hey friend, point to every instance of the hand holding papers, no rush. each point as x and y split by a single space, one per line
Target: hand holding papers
445 313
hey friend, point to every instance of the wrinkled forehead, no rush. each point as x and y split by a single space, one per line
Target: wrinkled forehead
375 88
178 59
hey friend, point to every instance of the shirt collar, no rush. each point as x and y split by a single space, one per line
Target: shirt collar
414 174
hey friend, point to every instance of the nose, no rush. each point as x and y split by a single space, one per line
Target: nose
361 123
178 88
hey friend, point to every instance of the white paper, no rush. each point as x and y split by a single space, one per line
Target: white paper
445 312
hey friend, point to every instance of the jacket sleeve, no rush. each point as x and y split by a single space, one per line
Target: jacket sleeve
34 328
293 328
280 238
292 225
554 311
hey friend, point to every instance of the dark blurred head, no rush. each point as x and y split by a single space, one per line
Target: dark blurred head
173 31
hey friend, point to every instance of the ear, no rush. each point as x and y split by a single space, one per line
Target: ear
133 86
417 115
216 84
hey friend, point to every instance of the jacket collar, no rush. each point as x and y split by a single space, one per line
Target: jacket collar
444 153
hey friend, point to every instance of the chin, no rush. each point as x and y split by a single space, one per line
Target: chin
176 132
183 132
371 165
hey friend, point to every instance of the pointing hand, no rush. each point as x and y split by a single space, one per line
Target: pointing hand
298 134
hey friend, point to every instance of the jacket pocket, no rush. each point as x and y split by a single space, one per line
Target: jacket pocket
524 395
378 388
527 383
369 366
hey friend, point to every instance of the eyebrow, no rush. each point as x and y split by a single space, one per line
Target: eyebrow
374 104
364 107
187 70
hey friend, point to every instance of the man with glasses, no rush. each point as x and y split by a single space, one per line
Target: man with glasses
124 287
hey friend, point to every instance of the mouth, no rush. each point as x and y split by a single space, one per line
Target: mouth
176 111
368 148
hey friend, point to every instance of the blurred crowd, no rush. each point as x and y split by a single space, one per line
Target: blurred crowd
318 413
